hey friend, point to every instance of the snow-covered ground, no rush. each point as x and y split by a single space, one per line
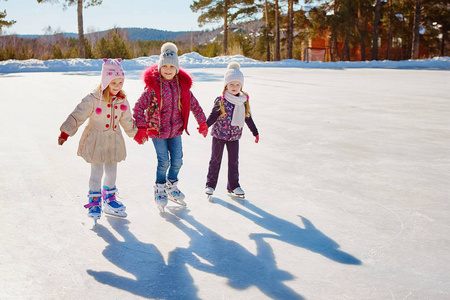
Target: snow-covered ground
347 191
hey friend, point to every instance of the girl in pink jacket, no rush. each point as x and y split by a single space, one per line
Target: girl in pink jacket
162 114
102 144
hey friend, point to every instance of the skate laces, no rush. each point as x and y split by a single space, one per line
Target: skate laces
173 189
160 192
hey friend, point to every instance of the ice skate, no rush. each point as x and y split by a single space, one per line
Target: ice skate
95 210
160 196
237 193
174 194
110 205
209 192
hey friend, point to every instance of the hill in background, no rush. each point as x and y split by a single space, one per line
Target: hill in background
136 34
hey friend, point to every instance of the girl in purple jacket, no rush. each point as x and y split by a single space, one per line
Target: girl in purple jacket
228 116
162 114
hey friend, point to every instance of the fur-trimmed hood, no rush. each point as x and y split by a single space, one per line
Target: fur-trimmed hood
151 77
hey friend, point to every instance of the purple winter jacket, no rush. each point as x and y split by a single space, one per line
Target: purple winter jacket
222 128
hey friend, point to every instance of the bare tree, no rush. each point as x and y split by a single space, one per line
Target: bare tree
81 42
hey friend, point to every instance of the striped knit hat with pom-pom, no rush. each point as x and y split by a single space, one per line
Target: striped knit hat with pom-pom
233 73
169 56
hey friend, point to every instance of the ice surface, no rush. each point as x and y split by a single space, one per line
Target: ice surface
347 193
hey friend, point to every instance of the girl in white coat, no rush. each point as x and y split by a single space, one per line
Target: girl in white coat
102 144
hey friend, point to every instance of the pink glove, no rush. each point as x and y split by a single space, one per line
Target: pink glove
256 138
203 129
62 138
141 136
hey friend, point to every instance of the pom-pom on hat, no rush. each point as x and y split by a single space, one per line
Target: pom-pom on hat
169 56
111 69
233 73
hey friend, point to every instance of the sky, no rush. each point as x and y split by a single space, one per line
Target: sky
34 18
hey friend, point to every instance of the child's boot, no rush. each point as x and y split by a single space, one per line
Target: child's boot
174 194
209 190
160 196
94 204
110 205
237 193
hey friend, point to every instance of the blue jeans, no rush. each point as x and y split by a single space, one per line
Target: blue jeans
170 157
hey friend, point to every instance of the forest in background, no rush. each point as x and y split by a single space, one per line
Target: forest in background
265 30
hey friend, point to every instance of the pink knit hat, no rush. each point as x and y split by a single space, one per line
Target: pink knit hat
111 69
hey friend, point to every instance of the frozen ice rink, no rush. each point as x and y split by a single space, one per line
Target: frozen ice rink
347 194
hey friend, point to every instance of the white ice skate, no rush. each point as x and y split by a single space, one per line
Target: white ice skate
110 205
237 193
209 191
174 194
160 196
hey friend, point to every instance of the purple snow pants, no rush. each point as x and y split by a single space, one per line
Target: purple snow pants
216 159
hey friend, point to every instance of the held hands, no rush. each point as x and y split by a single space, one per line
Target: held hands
203 129
256 138
141 136
62 138
152 133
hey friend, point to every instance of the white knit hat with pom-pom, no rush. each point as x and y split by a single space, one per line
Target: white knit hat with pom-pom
233 73
169 56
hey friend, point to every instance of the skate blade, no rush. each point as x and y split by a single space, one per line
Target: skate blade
119 214
236 197
179 202
209 197
95 218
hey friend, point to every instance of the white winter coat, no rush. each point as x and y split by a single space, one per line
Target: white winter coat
102 140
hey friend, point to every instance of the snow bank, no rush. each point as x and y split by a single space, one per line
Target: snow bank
195 60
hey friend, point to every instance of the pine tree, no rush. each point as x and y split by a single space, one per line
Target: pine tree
213 11
4 23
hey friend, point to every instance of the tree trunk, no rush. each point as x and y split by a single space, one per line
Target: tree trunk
333 43
290 31
389 38
81 44
277 32
416 33
346 50
444 30
376 23
362 31
267 31
225 28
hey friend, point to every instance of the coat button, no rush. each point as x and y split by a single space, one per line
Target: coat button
109 105
107 125
115 117
115 107
108 116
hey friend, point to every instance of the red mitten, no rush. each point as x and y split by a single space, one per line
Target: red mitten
256 138
62 138
152 133
141 136
203 129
